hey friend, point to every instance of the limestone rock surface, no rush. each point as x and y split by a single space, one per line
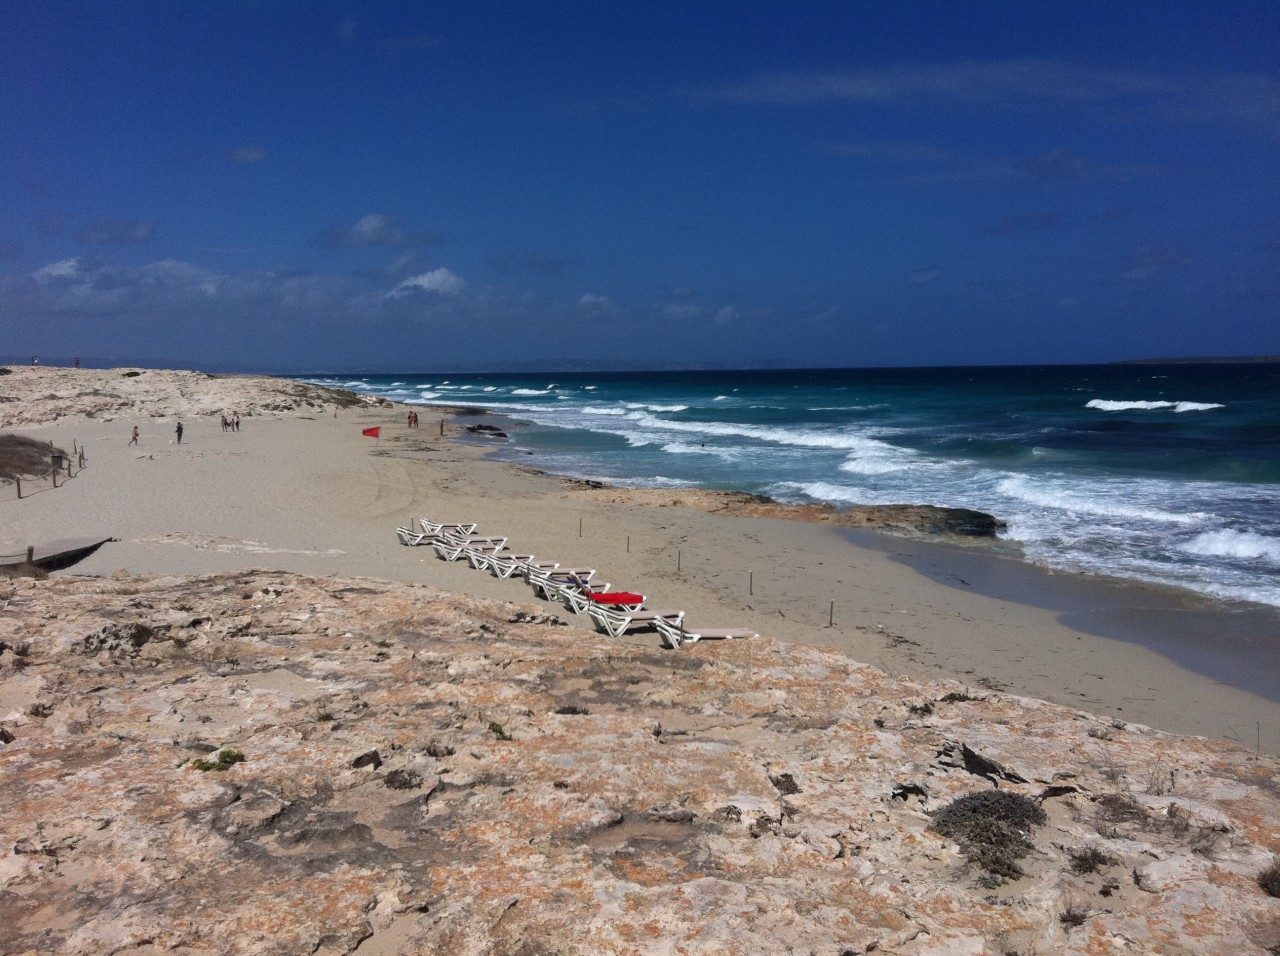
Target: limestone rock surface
34 395
255 762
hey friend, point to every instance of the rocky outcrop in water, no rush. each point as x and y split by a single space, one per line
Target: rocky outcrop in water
263 763
909 520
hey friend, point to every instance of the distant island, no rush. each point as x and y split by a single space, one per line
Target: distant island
1206 360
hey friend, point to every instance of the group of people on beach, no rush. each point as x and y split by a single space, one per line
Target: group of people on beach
231 424
413 419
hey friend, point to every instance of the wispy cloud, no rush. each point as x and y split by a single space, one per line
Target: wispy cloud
968 82
247 155
372 231
536 264
591 302
1147 262
920 164
441 281
116 232
1244 99
1027 222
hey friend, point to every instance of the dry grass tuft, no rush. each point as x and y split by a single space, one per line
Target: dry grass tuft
22 457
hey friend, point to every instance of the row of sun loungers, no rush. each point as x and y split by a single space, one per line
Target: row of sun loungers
612 612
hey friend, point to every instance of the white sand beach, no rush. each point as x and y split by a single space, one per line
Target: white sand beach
301 489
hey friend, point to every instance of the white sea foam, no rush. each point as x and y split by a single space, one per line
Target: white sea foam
656 408
1103 499
798 437
530 391
683 448
491 388
1106 405
657 481
602 410
1195 406
1241 545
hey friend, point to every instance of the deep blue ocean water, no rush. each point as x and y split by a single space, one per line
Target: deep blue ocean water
1161 473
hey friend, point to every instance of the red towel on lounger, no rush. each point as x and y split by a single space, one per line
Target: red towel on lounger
617 597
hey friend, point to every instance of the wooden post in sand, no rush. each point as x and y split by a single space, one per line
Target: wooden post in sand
18 482
831 617
31 554
678 560
751 582
579 527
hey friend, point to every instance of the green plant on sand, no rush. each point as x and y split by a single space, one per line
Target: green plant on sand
497 730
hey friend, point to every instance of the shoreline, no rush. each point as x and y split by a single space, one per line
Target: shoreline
1173 622
307 493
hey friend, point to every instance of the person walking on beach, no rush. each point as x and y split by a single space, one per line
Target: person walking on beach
134 439
178 432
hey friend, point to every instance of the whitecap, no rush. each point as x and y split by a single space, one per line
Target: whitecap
1108 501
1106 405
530 391
1241 545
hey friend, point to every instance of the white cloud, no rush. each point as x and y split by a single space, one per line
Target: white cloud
77 268
247 154
440 280
726 315
374 230
676 310
595 303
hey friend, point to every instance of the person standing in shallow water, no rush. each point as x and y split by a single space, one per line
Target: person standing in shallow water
178 431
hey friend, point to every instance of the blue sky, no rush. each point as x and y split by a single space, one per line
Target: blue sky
452 186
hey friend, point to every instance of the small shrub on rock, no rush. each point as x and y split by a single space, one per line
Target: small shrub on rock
1089 860
1073 915
993 828
225 760
1269 879
402 779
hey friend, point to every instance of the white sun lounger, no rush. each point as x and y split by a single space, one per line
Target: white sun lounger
678 634
446 527
504 564
482 560
543 582
451 548
617 621
413 538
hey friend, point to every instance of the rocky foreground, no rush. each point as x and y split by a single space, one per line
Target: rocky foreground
263 763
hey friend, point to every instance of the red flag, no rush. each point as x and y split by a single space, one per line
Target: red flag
374 432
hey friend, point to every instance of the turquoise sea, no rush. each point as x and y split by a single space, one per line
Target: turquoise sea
1159 473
